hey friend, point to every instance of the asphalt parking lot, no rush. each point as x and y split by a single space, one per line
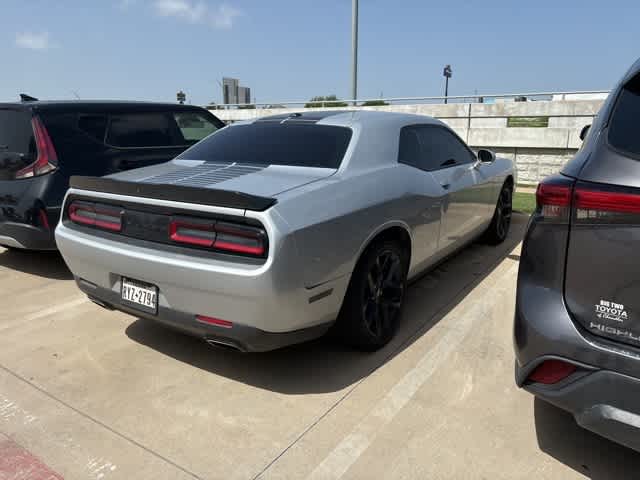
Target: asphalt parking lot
95 394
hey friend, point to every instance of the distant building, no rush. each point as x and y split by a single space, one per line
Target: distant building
232 92
244 95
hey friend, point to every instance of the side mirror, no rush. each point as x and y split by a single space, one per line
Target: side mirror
584 132
486 156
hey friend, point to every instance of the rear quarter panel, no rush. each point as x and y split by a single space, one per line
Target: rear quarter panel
333 221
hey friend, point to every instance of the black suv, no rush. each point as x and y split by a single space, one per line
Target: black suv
577 321
43 143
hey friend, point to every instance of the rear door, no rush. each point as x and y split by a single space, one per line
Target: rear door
602 284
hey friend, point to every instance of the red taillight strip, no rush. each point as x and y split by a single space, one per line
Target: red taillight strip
214 321
95 216
175 234
44 220
550 194
239 248
586 199
551 371
241 239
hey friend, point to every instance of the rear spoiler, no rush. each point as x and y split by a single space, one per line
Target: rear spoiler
175 193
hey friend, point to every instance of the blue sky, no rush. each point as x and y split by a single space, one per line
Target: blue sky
295 49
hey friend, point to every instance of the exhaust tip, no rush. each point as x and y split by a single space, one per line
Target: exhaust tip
224 344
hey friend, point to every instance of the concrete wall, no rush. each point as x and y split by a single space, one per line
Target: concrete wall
538 151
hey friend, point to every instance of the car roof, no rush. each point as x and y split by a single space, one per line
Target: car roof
348 118
98 105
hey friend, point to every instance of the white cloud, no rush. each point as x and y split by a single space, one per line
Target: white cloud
33 40
224 15
198 12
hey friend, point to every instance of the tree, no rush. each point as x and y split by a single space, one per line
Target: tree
325 101
374 103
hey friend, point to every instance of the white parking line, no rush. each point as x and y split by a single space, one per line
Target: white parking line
55 309
347 452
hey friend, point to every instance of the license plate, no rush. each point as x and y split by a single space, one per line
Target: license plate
140 294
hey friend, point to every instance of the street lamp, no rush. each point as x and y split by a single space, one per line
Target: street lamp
354 50
447 75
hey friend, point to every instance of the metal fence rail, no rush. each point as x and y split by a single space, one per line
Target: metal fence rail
475 98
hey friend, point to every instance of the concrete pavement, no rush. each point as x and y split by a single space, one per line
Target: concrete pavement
96 394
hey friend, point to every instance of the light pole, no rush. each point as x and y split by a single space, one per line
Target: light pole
447 75
354 50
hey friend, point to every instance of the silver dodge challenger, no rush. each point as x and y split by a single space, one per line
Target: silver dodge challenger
273 231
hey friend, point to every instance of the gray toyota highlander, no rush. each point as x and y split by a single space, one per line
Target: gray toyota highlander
577 319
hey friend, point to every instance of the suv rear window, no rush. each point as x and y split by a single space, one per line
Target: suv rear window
275 144
17 144
142 130
624 133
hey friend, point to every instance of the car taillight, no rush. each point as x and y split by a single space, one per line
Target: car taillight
47 159
226 237
551 371
553 199
96 215
602 204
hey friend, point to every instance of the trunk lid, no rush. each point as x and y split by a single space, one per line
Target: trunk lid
602 282
259 180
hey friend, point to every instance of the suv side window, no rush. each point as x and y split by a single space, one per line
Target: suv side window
194 126
95 126
431 147
142 130
623 129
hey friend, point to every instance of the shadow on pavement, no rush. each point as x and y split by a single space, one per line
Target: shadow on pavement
323 365
44 264
585 452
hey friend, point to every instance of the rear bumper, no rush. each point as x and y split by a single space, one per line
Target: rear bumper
267 300
603 402
240 337
603 394
29 237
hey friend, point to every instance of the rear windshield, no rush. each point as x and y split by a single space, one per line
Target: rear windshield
624 130
17 144
275 144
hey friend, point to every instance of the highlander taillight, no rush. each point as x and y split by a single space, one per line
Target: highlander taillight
227 237
95 215
604 204
47 159
553 199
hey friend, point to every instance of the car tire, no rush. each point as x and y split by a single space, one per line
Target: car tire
371 310
501 221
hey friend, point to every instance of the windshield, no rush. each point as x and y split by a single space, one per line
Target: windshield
275 144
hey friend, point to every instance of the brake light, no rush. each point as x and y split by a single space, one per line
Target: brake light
227 237
47 159
551 371
605 205
553 198
94 215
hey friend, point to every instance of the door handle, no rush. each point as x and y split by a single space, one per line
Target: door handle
445 185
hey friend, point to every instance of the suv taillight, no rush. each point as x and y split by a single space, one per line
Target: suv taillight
553 199
226 237
606 204
47 160
95 215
